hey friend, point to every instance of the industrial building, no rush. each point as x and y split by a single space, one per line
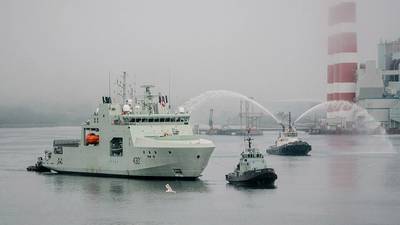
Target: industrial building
372 85
378 86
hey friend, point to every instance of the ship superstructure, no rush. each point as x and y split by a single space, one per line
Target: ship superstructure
139 138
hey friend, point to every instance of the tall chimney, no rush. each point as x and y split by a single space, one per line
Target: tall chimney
342 51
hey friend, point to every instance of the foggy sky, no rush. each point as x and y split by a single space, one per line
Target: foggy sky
60 52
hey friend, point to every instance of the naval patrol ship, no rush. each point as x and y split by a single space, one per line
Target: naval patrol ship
141 138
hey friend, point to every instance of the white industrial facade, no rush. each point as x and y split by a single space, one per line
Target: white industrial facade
378 88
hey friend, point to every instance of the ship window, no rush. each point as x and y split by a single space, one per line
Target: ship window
162 120
58 150
167 120
151 120
157 120
173 119
116 146
137 120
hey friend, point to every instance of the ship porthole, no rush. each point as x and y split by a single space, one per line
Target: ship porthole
169 152
198 156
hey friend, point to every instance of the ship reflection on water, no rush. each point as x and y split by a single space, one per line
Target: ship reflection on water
93 186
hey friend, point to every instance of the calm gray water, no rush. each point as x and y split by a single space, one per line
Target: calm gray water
346 180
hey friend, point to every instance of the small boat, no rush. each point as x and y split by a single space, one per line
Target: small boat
252 169
289 144
38 167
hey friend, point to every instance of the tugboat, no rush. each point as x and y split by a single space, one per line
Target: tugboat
288 143
252 169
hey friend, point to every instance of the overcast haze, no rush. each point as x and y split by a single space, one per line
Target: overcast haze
60 52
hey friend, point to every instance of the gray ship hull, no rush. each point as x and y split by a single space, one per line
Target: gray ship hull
297 148
261 177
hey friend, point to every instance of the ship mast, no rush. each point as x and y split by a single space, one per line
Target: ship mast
123 85
148 98
124 90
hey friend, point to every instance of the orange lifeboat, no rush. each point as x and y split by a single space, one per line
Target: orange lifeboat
92 139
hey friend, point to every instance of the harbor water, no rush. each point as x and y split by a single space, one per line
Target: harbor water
346 180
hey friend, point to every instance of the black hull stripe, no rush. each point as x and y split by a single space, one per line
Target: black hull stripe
125 176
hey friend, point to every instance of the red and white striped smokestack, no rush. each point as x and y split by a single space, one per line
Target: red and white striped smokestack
342 51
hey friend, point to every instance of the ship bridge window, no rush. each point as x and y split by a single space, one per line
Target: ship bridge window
157 120
116 146
173 119
167 120
162 120
151 120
